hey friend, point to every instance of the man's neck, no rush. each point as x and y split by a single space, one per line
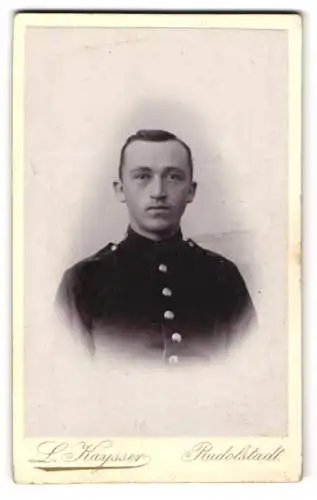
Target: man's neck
155 236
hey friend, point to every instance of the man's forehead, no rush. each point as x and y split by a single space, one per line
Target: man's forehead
147 153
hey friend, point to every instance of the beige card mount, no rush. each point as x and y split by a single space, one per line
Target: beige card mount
230 87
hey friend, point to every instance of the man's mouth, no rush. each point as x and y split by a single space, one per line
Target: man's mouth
158 208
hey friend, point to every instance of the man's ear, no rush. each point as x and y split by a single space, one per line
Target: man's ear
192 192
118 189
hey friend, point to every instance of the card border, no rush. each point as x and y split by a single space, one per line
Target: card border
289 467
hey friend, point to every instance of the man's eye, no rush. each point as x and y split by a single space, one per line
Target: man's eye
142 176
175 177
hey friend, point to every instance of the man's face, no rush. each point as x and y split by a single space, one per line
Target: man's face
156 185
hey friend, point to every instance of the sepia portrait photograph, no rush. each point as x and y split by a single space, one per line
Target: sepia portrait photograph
156 164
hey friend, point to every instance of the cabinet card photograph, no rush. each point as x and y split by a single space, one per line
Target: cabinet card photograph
156 247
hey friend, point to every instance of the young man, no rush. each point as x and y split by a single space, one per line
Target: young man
154 294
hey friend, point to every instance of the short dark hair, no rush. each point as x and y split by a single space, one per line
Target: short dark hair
154 136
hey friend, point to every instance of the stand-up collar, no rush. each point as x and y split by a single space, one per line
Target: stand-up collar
136 241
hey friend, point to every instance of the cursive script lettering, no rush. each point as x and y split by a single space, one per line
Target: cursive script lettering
206 452
100 455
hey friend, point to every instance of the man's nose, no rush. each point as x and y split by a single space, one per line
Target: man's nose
158 188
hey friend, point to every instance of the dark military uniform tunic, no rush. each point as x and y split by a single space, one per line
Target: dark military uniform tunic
167 299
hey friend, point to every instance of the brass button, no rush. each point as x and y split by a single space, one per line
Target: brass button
173 360
167 292
163 268
169 315
176 337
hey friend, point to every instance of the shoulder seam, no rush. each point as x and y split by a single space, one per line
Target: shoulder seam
107 250
104 251
208 252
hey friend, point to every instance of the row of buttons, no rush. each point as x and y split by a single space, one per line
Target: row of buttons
169 315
